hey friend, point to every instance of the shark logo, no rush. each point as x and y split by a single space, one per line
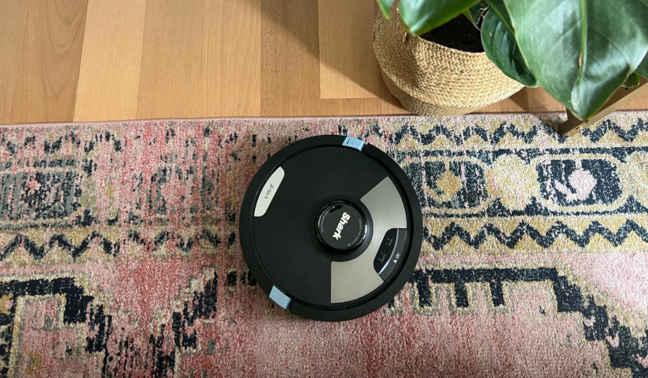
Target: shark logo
338 230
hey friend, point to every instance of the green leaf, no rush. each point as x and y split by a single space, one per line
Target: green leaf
500 9
476 12
581 51
385 6
421 16
643 68
501 48
632 81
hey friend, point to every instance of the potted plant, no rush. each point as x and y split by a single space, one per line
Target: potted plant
579 51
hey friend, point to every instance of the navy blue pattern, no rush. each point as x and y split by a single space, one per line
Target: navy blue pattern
546 240
499 133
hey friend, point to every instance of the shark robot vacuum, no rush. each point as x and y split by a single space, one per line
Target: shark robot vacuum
331 228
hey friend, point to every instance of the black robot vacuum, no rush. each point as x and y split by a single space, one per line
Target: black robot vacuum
331 228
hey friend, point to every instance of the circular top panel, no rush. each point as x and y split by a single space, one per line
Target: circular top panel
330 228
341 226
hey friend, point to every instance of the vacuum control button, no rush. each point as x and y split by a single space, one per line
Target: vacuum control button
390 252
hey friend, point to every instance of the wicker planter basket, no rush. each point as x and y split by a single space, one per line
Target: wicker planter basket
434 80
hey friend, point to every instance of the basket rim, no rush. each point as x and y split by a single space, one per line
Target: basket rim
425 41
415 95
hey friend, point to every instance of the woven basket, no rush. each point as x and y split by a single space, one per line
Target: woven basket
434 80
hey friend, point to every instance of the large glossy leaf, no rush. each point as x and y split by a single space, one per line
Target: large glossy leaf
421 16
385 6
581 51
501 47
498 7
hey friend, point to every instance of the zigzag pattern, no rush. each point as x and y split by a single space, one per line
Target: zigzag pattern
437 242
394 138
497 135
607 125
38 252
459 139
111 248
523 228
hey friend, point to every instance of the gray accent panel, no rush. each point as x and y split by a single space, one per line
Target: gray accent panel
356 278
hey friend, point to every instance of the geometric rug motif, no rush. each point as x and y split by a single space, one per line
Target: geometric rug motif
119 252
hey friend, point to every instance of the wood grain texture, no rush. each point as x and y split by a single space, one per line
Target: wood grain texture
100 60
110 65
232 57
534 100
12 31
172 76
208 52
640 103
348 67
289 51
290 68
50 61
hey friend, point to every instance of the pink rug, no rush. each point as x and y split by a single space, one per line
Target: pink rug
119 253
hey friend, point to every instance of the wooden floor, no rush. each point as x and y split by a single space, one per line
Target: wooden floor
91 60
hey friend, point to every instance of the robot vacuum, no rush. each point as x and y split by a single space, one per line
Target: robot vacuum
331 228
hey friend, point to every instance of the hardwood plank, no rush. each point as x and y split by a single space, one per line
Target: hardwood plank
172 78
640 103
537 100
232 54
358 106
110 65
533 100
389 105
98 60
290 69
289 52
12 31
348 66
50 61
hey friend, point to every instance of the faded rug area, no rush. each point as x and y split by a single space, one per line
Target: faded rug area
119 252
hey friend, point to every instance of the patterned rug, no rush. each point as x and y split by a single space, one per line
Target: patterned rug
119 252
